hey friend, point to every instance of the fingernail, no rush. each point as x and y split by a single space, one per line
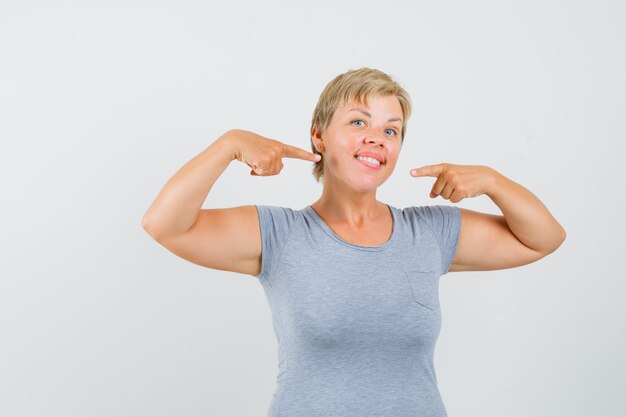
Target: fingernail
413 172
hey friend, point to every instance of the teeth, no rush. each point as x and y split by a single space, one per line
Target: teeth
368 159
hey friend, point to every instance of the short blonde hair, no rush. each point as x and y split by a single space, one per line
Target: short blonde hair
354 86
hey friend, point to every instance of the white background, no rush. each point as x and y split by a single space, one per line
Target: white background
101 102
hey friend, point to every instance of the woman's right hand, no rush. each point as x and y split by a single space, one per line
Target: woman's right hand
264 155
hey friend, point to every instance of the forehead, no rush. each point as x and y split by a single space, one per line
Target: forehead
387 102
386 106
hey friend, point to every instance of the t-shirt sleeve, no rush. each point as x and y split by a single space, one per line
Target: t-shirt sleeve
445 223
276 226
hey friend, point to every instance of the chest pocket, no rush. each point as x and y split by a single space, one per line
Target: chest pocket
424 287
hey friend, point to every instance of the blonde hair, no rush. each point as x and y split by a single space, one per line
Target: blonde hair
354 86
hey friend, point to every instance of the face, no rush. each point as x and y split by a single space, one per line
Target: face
356 129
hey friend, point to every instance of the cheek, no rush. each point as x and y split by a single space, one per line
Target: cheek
339 159
392 160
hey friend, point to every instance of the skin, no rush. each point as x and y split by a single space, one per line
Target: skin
348 199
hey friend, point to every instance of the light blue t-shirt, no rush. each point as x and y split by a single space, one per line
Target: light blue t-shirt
356 326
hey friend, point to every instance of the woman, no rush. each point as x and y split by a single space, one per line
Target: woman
352 282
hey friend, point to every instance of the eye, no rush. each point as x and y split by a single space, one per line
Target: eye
392 130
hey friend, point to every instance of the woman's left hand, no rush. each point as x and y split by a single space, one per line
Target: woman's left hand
456 182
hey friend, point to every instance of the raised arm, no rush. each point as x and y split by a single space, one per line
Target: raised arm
227 239
524 233
177 206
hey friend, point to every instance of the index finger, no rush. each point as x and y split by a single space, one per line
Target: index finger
295 152
428 171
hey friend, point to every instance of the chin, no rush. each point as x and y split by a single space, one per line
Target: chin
368 185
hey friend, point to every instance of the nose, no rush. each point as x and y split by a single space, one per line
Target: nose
374 137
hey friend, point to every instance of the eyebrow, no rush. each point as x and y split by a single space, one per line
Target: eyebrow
393 119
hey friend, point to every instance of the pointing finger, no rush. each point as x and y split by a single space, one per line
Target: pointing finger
295 152
428 171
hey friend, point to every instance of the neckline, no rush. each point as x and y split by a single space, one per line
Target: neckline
336 237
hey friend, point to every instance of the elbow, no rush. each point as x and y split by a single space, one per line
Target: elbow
563 237
157 228
144 221
558 244
559 237
148 225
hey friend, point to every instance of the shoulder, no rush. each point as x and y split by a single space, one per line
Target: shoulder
276 226
433 211
273 210
272 217
441 220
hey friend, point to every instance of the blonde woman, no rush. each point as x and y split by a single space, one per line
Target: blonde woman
352 282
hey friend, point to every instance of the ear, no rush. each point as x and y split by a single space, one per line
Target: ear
317 139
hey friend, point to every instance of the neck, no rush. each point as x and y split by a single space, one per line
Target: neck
341 204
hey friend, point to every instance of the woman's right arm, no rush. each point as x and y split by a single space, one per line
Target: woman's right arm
176 207
227 239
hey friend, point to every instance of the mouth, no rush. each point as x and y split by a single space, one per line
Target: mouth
369 162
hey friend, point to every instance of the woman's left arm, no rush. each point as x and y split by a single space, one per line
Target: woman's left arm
527 217
525 233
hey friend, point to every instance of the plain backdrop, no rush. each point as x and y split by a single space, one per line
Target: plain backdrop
101 103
